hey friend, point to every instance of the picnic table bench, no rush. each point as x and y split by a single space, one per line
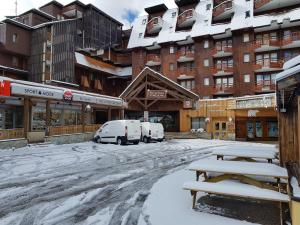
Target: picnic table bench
240 154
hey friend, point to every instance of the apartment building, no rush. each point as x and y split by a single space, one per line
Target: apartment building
218 48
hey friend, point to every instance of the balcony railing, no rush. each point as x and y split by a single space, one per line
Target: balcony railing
154 25
222 70
12 134
222 51
187 18
186 71
222 7
153 60
185 56
223 89
265 86
266 44
268 65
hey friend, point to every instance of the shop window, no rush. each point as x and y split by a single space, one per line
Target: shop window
56 117
38 118
198 123
259 129
272 129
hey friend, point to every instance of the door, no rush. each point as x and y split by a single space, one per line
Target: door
254 130
220 130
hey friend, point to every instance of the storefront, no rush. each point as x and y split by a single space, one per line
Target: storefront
155 98
29 108
252 118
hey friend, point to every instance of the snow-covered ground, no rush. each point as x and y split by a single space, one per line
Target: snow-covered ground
89 184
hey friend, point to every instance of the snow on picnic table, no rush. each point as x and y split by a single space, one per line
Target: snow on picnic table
90 183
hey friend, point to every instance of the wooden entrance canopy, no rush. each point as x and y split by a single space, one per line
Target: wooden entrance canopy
150 88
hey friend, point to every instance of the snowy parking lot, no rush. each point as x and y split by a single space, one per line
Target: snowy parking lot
90 183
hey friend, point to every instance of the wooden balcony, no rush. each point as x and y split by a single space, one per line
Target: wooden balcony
185 56
73 129
223 11
221 52
267 5
267 65
153 60
12 134
291 41
261 87
186 72
222 70
187 18
154 25
223 89
266 45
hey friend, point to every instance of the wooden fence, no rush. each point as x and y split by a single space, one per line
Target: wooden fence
73 129
12 134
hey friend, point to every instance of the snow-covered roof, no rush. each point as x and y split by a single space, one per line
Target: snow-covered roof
102 66
291 68
203 25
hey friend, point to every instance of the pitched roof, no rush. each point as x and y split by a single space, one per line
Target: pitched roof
146 71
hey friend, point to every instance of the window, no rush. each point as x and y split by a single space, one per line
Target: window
246 57
171 67
206 81
15 38
247 78
206 44
208 6
15 61
173 14
272 129
206 62
140 35
206 97
172 50
247 14
198 123
144 21
188 84
246 37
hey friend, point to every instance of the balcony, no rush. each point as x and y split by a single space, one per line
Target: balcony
186 73
154 25
223 90
266 45
266 5
186 19
265 86
222 70
221 52
267 66
185 56
291 41
223 11
153 60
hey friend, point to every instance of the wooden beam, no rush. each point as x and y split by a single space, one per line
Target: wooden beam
150 104
26 118
48 117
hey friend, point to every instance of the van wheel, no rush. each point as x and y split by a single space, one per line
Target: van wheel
146 140
98 140
119 141
136 142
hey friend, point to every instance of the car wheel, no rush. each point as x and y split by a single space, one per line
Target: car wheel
98 140
119 141
145 140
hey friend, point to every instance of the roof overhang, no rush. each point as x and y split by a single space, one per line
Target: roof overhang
181 3
156 9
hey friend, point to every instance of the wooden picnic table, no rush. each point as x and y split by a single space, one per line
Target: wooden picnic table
250 156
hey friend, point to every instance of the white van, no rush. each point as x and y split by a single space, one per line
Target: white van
119 132
152 131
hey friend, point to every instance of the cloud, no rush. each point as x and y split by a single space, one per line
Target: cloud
123 10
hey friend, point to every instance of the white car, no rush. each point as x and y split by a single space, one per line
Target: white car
119 132
152 131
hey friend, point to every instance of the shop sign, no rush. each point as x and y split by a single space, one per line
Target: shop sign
26 90
254 103
157 94
188 104
68 96
4 88
97 100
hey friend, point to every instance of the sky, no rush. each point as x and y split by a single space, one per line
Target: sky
123 10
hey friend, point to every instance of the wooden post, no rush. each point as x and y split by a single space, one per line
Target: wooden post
83 121
298 131
122 114
26 115
48 117
109 114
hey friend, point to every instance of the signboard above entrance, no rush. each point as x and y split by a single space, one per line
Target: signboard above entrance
4 88
157 94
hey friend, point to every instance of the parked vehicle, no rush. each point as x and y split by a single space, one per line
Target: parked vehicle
119 132
152 131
